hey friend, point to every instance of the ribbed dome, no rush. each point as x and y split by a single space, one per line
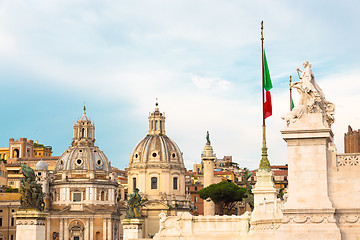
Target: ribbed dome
82 154
83 158
156 148
41 166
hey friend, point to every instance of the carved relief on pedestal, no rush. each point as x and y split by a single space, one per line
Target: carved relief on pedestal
308 218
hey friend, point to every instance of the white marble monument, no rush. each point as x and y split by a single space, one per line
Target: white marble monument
308 212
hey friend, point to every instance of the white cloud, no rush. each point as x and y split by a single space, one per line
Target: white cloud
210 83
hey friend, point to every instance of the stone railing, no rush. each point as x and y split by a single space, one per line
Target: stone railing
187 227
348 159
267 215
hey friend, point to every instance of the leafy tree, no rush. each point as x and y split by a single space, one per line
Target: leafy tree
281 193
225 194
250 196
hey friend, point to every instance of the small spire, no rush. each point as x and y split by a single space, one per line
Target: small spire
264 162
84 108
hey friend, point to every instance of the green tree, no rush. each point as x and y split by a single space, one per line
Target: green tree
250 196
225 194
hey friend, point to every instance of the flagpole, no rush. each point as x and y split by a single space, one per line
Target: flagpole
264 162
262 83
290 89
262 73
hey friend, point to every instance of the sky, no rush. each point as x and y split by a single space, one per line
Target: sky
200 58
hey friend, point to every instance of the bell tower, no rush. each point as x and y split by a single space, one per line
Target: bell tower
84 132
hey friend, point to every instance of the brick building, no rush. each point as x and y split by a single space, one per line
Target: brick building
352 141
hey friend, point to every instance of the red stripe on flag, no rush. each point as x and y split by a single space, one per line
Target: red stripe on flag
267 105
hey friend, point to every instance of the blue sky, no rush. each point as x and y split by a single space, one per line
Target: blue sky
202 59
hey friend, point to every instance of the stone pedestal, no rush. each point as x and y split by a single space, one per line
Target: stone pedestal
308 212
266 216
133 228
30 224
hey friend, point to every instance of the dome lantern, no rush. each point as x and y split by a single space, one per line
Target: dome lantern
156 122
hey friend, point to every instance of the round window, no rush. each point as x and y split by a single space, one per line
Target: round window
173 155
99 162
136 155
39 173
61 162
79 162
154 154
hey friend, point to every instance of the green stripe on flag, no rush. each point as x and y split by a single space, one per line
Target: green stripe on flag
267 79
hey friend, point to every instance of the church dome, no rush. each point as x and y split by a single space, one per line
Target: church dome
156 147
41 166
82 154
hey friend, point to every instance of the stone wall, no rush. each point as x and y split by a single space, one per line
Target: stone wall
344 192
187 227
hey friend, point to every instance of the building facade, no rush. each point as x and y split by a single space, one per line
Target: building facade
156 168
82 191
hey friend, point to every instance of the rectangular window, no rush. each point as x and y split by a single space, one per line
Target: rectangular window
195 208
154 183
76 197
195 188
0 221
187 189
12 223
134 183
11 237
175 183
1 210
195 199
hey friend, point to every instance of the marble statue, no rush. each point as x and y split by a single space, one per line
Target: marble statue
32 196
134 205
312 98
169 224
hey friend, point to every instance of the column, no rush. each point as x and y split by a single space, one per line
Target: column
66 229
86 230
87 194
208 157
61 233
104 228
109 228
91 228
48 231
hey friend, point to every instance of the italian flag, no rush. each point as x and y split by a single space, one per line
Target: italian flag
267 87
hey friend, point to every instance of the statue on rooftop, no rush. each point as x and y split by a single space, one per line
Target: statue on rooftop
134 205
208 138
312 98
32 196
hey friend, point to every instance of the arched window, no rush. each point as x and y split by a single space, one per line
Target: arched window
175 183
83 132
154 183
156 125
16 153
102 196
160 125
